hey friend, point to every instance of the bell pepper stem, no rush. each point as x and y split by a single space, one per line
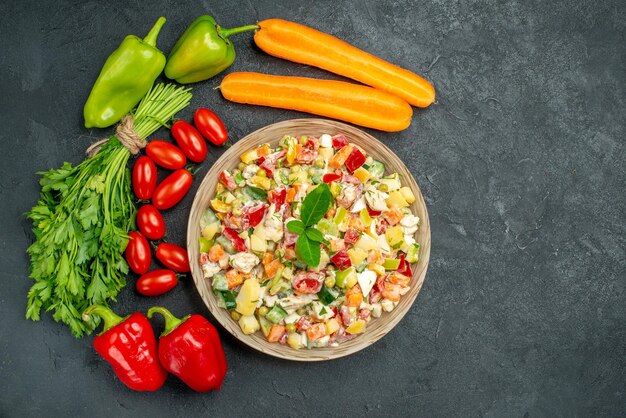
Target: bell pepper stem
151 37
225 33
109 317
171 322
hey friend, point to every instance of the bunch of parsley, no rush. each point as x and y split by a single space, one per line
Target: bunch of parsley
82 219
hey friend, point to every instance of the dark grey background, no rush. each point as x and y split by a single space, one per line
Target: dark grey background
521 162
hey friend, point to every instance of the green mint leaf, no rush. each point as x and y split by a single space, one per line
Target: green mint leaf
308 251
315 235
316 204
295 226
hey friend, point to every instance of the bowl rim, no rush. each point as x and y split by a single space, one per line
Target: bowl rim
389 320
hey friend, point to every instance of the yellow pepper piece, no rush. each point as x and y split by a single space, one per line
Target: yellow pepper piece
220 206
357 327
250 156
362 174
262 182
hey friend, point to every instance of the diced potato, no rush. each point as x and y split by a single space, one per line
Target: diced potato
362 174
357 255
210 230
249 324
220 206
250 156
366 243
357 327
408 195
262 182
396 200
228 198
332 325
295 340
390 183
258 244
248 297
326 153
298 177
395 237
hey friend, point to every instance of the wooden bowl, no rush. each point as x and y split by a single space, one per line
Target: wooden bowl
271 134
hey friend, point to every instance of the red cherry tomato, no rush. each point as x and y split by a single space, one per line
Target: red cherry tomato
150 222
172 189
156 282
137 253
210 126
144 177
166 154
190 141
173 257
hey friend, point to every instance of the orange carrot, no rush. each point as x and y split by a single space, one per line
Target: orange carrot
305 45
349 102
276 333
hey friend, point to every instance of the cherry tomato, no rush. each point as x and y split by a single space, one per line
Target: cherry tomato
173 257
144 177
210 126
172 189
156 282
190 141
150 222
341 259
166 154
137 253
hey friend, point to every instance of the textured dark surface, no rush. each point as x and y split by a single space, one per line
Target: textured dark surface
521 162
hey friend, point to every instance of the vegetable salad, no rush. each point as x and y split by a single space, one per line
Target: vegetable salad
309 240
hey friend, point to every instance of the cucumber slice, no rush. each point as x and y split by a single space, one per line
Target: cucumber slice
391 264
327 296
219 282
226 243
276 314
376 169
412 255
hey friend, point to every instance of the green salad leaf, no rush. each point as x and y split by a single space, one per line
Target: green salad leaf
295 226
308 251
316 204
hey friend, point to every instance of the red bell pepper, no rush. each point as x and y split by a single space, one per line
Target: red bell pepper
254 214
405 266
233 236
129 345
227 180
341 259
277 196
373 212
190 348
330 177
339 141
355 160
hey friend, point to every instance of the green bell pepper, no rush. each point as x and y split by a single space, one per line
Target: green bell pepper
126 77
203 51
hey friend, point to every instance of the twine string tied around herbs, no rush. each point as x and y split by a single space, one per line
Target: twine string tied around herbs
125 133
